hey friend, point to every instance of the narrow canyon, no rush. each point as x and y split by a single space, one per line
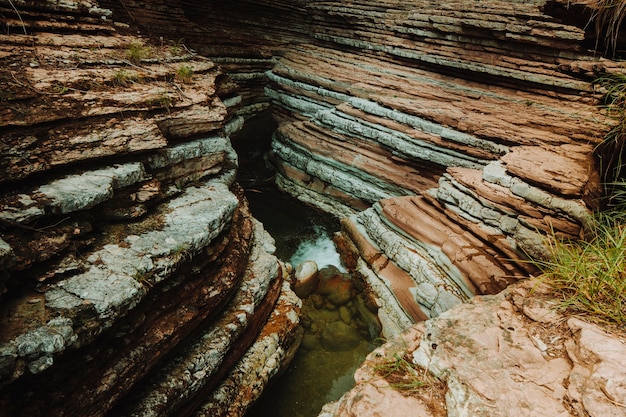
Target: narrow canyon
448 138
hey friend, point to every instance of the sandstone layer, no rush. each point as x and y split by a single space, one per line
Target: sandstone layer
451 137
134 279
454 137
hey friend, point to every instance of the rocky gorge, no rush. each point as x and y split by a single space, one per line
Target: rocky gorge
448 137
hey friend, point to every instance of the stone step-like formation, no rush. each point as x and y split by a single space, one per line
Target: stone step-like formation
133 276
486 111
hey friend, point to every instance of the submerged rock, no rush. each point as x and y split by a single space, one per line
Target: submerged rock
338 335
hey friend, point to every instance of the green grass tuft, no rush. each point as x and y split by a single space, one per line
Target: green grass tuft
403 375
184 74
137 52
589 276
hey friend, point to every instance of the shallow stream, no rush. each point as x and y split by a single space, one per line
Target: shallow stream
316 375
321 370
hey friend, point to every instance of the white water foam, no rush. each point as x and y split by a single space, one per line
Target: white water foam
322 250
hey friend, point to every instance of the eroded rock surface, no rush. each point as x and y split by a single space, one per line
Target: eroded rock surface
451 137
454 137
510 354
134 278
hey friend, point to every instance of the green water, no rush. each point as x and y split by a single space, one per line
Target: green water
316 375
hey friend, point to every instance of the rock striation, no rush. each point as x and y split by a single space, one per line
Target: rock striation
451 137
134 279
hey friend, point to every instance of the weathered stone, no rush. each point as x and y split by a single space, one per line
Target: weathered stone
458 109
494 359
209 356
334 285
306 279
270 353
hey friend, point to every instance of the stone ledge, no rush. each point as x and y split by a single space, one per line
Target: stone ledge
118 276
508 354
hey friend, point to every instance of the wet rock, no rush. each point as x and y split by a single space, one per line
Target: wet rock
345 315
306 279
310 341
335 285
338 336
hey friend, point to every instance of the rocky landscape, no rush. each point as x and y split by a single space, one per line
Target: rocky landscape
448 137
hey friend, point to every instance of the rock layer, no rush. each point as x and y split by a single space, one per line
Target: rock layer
134 278
451 136
454 136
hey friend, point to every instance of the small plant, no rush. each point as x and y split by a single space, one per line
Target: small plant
403 375
181 253
60 89
163 100
144 278
184 74
122 78
137 52
177 48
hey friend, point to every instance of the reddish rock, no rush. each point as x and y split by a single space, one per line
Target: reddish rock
334 285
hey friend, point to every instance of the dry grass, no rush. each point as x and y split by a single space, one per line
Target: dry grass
411 380
608 16
589 277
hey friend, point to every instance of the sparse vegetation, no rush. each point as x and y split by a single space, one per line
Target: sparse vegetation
177 48
181 253
184 74
607 16
610 151
589 276
60 89
137 52
123 78
403 375
144 278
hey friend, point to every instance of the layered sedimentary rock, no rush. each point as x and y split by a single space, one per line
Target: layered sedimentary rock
450 136
134 279
453 136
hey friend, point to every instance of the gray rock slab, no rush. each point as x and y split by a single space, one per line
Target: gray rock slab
117 276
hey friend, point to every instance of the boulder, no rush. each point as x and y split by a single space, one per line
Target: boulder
337 335
335 285
306 279
510 354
